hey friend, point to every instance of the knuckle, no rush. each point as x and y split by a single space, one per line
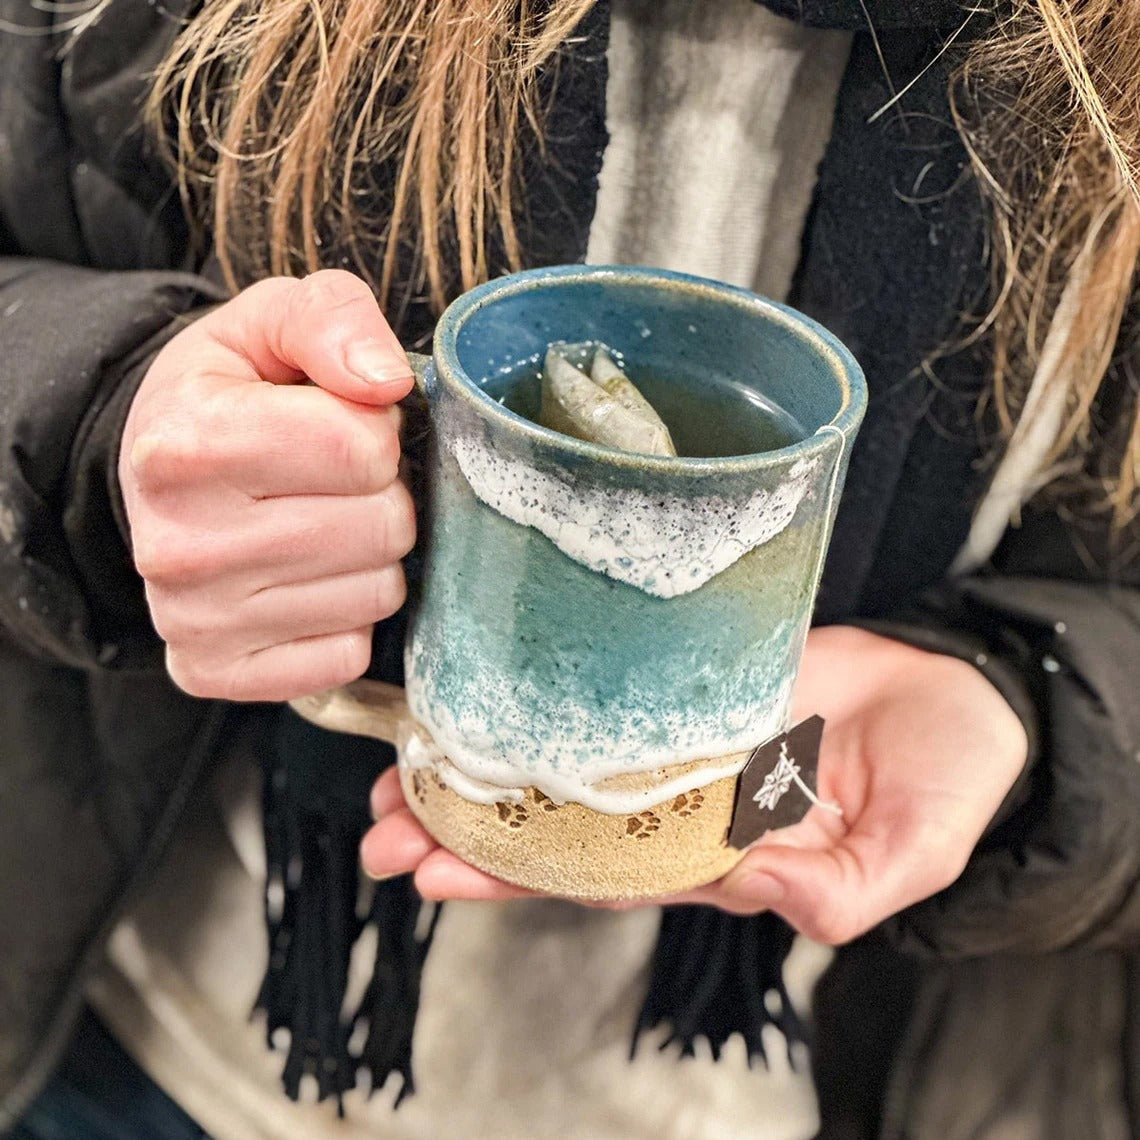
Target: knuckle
353 655
328 308
234 681
365 465
338 285
329 290
165 622
156 554
192 675
196 440
210 423
172 561
401 522
237 686
386 443
147 554
273 290
162 459
180 622
269 290
346 446
391 591
380 548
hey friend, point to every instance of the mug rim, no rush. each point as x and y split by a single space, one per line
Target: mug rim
845 368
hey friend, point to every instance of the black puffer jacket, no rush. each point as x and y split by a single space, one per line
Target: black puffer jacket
933 1028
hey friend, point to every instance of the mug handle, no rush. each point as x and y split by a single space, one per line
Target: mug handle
361 708
366 708
419 364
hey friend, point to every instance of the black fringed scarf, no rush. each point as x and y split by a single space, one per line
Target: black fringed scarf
713 974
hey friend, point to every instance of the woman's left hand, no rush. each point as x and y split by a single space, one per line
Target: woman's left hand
919 750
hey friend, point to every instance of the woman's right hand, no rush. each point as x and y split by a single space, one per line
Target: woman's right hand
267 517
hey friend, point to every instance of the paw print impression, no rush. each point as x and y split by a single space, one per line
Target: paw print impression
687 804
419 787
642 825
513 815
544 801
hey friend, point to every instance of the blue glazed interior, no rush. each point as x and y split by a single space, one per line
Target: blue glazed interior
727 343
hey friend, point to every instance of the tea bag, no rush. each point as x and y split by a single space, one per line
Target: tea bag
601 406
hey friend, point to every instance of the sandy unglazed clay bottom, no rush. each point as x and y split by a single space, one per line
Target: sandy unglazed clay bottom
573 851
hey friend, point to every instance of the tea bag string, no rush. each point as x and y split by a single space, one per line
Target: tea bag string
832 490
787 771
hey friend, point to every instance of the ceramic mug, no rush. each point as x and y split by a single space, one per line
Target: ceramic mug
602 637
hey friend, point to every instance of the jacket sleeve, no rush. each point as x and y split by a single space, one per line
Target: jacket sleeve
1060 866
74 345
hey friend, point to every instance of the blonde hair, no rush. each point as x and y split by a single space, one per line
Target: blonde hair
1049 108
384 134
288 122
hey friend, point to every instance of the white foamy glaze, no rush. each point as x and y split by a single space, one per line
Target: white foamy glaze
477 755
666 547
420 753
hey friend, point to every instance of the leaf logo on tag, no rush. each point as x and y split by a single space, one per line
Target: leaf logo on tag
778 781
775 788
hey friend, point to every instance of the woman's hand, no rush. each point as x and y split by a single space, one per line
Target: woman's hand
266 514
919 750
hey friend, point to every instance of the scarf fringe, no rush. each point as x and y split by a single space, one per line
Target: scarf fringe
390 1004
715 975
314 821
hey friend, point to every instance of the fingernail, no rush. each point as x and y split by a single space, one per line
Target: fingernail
377 363
756 886
383 878
371 874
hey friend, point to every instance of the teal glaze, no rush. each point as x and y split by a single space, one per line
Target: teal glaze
604 646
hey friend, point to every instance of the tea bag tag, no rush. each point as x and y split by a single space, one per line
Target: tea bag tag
775 789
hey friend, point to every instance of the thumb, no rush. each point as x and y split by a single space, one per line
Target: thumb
326 328
833 894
